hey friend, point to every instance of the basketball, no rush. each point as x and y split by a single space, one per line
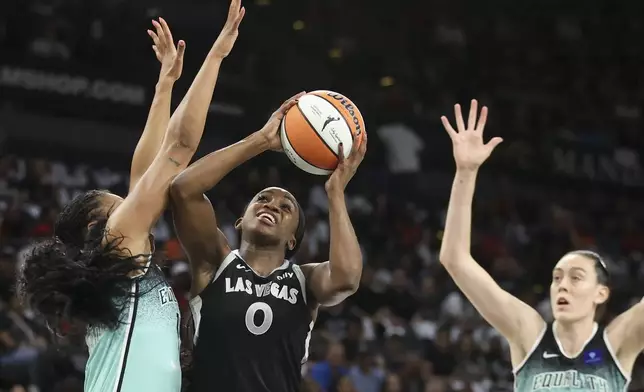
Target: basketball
312 131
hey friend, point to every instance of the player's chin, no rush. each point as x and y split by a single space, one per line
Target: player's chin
265 230
562 315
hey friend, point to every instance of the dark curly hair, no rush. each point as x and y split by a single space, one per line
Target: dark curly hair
72 223
75 277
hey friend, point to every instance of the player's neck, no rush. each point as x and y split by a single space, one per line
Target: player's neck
572 336
262 260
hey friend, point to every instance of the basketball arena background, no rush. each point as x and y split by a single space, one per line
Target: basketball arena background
565 85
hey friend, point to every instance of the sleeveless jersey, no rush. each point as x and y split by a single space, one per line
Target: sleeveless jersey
142 353
546 368
251 332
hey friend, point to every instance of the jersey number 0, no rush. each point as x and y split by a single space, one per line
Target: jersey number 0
250 318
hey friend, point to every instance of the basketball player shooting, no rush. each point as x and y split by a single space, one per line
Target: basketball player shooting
572 353
252 309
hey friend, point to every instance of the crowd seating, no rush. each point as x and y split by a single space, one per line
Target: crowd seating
563 85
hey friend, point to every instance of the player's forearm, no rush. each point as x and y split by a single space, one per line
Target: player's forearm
204 174
154 131
345 256
458 224
188 121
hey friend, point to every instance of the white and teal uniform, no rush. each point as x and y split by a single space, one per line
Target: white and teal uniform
142 353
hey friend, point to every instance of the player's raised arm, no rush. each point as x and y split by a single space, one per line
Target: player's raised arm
193 214
171 61
141 209
333 281
626 336
515 320
156 125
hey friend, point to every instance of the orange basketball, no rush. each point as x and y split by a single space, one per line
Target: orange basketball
313 129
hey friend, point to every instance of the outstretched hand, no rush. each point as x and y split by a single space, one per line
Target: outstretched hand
270 131
226 40
347 167
169 56
469 150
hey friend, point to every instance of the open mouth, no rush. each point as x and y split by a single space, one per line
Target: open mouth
562 302
267 218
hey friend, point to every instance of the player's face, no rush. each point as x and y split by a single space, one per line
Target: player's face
273 214
575 292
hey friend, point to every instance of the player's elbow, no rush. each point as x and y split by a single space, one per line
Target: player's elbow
337 292
446 257
179 136
347 281
346 287
180 188
450 255
350 288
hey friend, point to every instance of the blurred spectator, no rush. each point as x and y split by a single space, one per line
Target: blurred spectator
366 377
329 373
403 147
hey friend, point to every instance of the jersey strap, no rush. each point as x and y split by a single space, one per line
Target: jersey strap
196 303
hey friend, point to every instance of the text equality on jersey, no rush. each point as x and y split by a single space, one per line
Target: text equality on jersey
274 289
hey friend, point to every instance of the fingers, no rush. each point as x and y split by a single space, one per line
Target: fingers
235 15
239 18
289 103
471 121
448 127
358 152
166 32
154 37
491 145
160 35
156 45
482 120
355 147
460 125
363 145
156 52
340 154
286 107
234 10
296 96
180 51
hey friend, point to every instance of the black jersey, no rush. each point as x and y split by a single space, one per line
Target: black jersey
251 332
546 368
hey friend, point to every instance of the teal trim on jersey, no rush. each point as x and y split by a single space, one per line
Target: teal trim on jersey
142 354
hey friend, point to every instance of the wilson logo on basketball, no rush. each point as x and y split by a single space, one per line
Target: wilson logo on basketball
350 109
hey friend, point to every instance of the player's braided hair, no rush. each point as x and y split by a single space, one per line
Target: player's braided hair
73 221
74 277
